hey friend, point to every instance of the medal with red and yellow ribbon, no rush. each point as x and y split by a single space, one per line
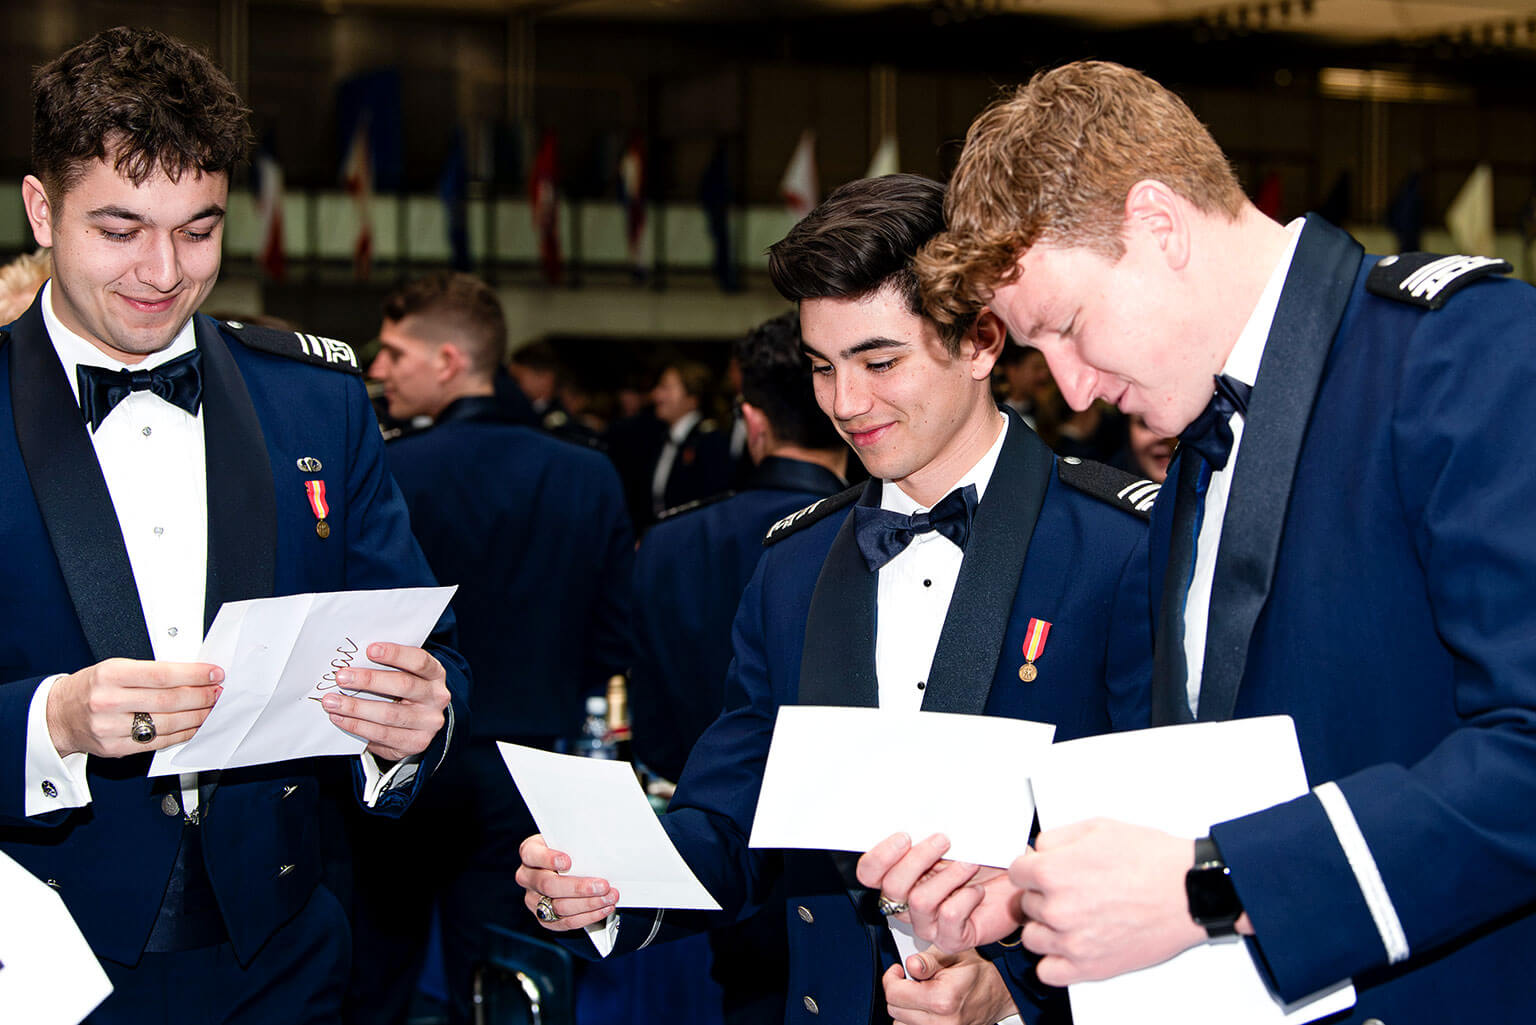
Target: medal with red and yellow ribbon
1034 644
315 489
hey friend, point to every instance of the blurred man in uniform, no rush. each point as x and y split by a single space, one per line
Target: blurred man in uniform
157 464
533 532
695 457
1349 542
915 591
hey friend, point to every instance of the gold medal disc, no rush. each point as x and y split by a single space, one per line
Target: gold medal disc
1028 672
323 529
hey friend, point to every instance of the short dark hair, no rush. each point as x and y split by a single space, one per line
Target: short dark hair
537 356
143 100
776 378
697 379
458 308
862 238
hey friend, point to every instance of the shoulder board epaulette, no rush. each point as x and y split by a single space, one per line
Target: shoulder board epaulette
697 503
1429 279
1120 489
322 352
812 513
707 427
555 419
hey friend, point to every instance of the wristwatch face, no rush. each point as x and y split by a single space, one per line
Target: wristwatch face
1212 899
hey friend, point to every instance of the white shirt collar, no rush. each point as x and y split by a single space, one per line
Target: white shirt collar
73 350
678 432
897 500
1243 361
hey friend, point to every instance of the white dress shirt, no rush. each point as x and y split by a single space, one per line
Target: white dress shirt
1242 364
676 435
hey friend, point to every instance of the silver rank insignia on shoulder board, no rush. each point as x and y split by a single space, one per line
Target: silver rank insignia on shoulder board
1428 280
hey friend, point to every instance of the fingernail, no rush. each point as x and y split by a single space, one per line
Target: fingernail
217 693
562 863
939 841
344 676
375 651
597 889
215 675
331 702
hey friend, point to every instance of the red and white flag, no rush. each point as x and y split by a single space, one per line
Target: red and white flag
798 186
359 181
632 195
269 210
544 200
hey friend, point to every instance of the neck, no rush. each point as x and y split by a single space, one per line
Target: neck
1241 254
975 434
836 462
465 390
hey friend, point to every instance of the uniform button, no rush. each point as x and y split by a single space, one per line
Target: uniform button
169 805
810 1005
1071 460
1374 1021
283 870
805 914
159 531
148 431
173 631
49 790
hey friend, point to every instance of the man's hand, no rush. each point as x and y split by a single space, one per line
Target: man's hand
92 711
951 904
1105 898
405 725
578 900
947 989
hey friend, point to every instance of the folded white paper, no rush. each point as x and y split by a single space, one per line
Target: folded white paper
843 779
1183 780
593 810
280 656
48 975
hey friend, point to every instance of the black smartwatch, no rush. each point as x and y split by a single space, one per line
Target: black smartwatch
1213 900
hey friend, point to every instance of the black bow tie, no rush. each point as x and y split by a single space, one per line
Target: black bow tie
178 381
1211 433
883 534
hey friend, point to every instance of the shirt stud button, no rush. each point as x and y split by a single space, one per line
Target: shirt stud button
921 684
148 431
173 631
159 531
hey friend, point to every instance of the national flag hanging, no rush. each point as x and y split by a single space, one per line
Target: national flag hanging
1268 199
887 159
1470 215
358 172
798 186
543 199
632 196
453 188
1405 215
715 196
269 213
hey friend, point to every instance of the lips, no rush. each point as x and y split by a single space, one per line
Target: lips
158 305
865 438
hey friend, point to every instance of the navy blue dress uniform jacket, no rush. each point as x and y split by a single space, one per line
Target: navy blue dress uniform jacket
702 468
805 634
68 600
534 532
689 574
1376 580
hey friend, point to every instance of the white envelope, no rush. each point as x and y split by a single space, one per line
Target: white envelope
280 656
1164 778
843 779
48 975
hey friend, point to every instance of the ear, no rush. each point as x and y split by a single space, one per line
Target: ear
449 361
39 211
760 437
983 344
1155 212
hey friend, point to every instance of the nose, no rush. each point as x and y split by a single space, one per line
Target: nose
1076 380
159 266
850 398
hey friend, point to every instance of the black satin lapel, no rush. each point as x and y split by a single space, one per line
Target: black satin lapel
965 661
1318 289
1170 677
72 496
242 510
837 665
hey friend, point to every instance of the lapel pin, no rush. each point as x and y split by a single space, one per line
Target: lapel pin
315 489
309 464
1034 644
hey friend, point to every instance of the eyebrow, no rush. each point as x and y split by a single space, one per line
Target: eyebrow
121 213
867 345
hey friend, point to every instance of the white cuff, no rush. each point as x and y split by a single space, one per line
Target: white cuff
605 934
376 781
1012 1019
1367 875
53 782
